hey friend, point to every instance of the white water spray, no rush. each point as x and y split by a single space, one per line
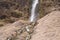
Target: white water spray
32 18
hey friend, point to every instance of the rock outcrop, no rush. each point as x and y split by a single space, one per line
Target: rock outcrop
48 27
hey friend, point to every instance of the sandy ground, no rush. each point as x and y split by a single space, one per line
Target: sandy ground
48 27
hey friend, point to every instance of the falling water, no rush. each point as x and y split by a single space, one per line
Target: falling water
32 18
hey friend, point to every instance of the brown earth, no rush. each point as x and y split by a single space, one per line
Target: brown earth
48 27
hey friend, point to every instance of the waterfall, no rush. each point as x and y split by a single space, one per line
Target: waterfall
32 17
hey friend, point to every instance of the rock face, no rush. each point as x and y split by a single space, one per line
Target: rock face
46 6
13 10
8 7
48 27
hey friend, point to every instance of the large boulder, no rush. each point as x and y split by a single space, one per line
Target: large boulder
48 27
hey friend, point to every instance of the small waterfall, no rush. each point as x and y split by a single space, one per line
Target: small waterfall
33 16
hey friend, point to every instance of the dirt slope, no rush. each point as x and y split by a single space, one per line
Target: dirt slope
48 27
